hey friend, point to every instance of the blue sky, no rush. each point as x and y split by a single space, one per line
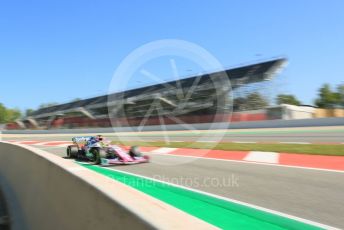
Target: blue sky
55 51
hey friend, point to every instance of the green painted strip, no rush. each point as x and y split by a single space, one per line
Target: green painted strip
218 212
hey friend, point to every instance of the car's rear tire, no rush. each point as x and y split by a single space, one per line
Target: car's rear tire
72 151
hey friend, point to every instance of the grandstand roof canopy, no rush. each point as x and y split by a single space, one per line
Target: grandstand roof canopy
237 76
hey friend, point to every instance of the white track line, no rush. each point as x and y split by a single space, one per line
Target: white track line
266 157
310 222
50 147
43 143
164 150
76 169
13 141
55 143
61 145
297 143
250 162
244 142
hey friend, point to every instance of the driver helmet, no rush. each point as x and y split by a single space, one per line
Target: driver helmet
99 138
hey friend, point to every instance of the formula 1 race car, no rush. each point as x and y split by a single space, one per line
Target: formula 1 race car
97 151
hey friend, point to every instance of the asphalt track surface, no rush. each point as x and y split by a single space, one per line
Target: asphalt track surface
277 135
310 194
334 134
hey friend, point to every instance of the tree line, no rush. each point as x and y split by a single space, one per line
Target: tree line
327 98
8 115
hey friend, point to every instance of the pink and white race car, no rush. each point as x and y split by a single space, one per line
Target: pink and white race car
97 151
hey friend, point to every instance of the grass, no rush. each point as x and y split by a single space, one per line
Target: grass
314 149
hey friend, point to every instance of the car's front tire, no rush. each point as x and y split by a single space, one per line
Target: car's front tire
96 155
135 151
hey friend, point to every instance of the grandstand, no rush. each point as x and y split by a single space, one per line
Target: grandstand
198 99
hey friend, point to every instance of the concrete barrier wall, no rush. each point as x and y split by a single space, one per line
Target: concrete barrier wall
44 191
201 126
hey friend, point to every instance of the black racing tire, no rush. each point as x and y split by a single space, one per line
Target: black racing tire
72 151
68 151
135 151
96 155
